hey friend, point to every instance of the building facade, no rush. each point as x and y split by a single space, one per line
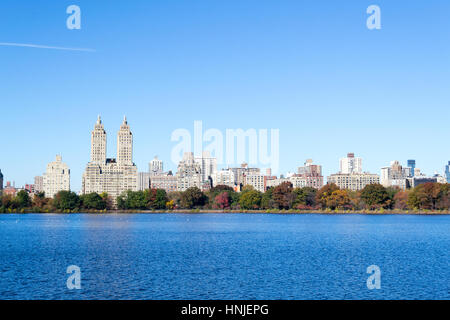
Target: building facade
156 167
143 181
256 180
354 181
418 180
412 164
310 175
166 182
56 178
38 184
208 165
111 176
10 189
223 178
189 173
447 172
350 164
242 171
395 176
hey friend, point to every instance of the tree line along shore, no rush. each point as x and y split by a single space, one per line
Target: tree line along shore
374 199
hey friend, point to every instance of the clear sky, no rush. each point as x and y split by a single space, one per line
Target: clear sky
311 69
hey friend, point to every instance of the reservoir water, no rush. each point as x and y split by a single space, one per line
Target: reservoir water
224 256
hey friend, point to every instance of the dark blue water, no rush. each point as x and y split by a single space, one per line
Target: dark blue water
241 256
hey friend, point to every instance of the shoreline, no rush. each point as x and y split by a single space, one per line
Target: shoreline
273 211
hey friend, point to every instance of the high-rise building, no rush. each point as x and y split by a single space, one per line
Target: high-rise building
98 143
1 181
412 165
156 167
223 178
350 164
189 173
124 145
38 184
208 165
56 178
256 180
108 175
351 176
395 176
242 171
447 172
310 168
143 181
310 175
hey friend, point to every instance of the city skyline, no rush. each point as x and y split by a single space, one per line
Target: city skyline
104 174
314 71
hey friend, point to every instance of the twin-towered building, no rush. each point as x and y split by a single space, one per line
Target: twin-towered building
110 175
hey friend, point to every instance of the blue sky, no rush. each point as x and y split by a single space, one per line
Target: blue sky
311 69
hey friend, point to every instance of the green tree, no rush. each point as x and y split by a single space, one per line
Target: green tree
66 200
192 198
375 196
267 201
392 192
156 199
250 200
305 196
23 199
93 201
132 200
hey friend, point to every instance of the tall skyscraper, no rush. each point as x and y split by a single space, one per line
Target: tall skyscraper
108 175
98 143
56 178
208 165
412 165
125 144
447 172
350 164
156 167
